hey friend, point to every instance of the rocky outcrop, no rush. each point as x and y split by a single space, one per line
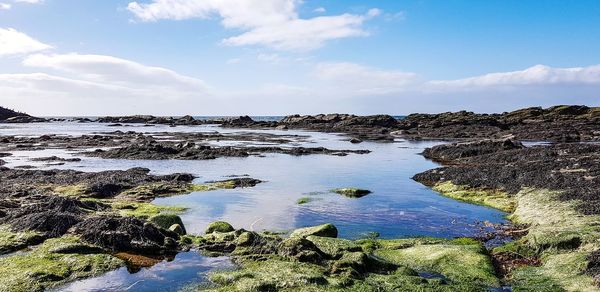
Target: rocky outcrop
558 123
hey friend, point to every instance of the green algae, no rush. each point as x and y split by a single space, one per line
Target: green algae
559 235
145 210
458 262
41 268
11 241
492 198
334 247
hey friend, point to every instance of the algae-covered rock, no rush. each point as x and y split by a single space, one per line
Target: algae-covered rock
165 221
300 249
324 230
460 263
352 192
43 268
219 226
334 247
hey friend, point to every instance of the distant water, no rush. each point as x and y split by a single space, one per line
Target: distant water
208 118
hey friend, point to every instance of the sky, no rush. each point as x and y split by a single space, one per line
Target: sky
278 57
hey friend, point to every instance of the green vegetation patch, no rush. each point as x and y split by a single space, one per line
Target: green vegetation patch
458 262
492 198
11 241
41 268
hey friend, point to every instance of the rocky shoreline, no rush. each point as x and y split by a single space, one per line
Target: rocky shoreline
77 224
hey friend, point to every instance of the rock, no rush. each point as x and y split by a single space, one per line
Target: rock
325 230
167 221
177 229
333 248
124 234
448 152
352 192
300 249
355 141
219 227
245 238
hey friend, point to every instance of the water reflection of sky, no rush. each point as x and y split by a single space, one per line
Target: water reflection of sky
187 268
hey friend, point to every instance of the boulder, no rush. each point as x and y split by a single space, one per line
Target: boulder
167 221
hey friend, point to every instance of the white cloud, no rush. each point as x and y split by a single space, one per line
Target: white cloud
107 69
269 58
271 23
536 75
96 84
13 42
5 6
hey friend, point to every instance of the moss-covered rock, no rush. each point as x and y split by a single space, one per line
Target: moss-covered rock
166 221
41 268
351 192
324 230
300 249
218 226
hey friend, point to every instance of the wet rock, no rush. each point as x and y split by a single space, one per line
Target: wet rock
219 227
325 230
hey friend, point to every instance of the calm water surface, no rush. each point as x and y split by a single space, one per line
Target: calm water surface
397 206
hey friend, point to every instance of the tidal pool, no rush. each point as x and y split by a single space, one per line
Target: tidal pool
397 206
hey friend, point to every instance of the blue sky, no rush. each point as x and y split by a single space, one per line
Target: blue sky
222 57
